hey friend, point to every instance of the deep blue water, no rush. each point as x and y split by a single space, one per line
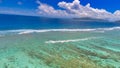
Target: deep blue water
10 22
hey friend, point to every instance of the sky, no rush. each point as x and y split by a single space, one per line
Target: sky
63 8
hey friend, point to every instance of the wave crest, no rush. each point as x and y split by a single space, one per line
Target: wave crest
72 40
70 30
27 31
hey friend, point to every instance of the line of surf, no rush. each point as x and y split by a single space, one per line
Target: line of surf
71 40
27 31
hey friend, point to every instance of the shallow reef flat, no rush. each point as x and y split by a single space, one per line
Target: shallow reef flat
61 50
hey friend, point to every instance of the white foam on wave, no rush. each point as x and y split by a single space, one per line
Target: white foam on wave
72 40
27 31
69 30
55 30
108 29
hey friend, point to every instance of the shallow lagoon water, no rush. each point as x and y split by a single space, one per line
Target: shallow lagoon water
60 49
36 42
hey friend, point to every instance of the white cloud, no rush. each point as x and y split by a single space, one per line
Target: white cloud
75 9
117 13
83 11
49 10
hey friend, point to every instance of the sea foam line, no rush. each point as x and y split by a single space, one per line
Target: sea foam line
27 31
72 40
69 30
55 30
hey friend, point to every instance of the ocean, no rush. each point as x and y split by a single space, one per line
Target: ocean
41 42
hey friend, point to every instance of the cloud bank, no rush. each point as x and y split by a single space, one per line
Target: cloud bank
76 10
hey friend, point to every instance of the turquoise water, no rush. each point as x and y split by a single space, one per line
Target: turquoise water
72 48
37 42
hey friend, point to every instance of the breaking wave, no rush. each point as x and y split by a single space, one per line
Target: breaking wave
27 31
72 40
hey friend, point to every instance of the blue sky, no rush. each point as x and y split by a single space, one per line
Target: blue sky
109 5
106 8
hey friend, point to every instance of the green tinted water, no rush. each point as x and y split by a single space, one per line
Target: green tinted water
82 50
